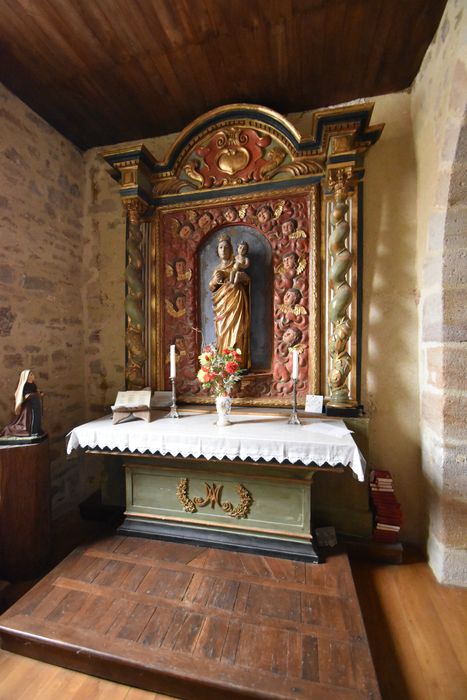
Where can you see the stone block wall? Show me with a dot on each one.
(103, 287)
(439, 117)
(41, 309)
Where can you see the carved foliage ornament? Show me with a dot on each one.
(212, 497)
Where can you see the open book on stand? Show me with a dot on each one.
(135, 404)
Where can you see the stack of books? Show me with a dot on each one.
(386, 509)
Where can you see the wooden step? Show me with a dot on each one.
(198, 623)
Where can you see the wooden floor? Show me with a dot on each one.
(417, 629)
(419, 651)
(191, 622)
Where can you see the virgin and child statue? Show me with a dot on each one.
(230, 287)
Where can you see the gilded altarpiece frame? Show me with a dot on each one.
(245, 170)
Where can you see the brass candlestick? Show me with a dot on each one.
(173, 406)
(294, 419)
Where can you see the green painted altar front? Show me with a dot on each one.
(252, 506)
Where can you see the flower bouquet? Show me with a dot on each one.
(220, 370)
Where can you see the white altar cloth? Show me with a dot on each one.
(249, 437)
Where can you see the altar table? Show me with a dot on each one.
(246, 486)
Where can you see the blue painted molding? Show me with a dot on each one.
(247, 190)
(359, 116)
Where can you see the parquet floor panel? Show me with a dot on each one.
(198, 623)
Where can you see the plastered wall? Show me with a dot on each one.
(390, 310)
(390, 306)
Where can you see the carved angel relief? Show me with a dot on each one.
(178, 270)
(291, 265)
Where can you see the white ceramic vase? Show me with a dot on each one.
(223, 407)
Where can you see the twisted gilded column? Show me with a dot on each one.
(341, 297)
(134, 300)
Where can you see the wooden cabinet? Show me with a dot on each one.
(24, 510)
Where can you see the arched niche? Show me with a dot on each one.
(260, 273)
(250, 160)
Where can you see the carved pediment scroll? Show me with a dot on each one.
(236, 155)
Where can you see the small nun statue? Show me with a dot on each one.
(28, 409)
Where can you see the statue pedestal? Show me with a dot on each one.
(24, 510)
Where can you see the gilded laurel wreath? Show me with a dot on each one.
(212, 497)
(243, 508)
(182, 495)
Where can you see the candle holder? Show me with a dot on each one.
(294, 419)
(173, 406)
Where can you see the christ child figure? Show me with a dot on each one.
(241, 262)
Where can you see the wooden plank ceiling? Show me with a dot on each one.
(106, 71)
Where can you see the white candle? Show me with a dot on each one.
(173, 370)
(294, 364)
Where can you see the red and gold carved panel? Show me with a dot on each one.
(287, 223)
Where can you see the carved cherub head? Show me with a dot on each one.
(205, 220)
(192, 216)
(179, 342)
(292, 336)
(290, 261)
(265, 214)
(180, 266)
(288, 227)
(186, 231)
(292, 296)
(230, 214)
(180, 302)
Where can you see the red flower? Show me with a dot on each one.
(226, 351)
(231, 367)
